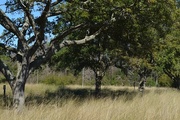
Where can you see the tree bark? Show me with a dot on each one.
(174, 78)
(98, 79)
(142, 84)
(7, 73)
(18, 95)
(19, 85)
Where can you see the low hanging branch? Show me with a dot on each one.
(7, 73)
(9, 25)
(82, 41)
(55, 47)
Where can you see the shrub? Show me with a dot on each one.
(2, 79)
(59, 80)
(165, 81)
(150, 82)
(111, 81)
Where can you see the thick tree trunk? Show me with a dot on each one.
(18, 94)
(98, 86)
(98, 79)
(19, 85)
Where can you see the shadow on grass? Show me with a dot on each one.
(63, 94)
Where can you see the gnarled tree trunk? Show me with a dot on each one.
(17, 83)
(18, 89)
(18, 94)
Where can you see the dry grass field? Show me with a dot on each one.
(44, 102)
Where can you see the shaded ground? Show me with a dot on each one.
(63, 94)
(80, 94)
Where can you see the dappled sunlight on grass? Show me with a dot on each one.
(78, 103)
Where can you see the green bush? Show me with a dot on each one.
(150, 82)
(59, 80)
(165, 81)
(110, 81)
(2, 79)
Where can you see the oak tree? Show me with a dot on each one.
(30, 37)
(136, 29)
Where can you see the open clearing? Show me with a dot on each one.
(47, 102)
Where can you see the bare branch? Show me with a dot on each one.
(66, 32)
(7, 73)
(54, 46)
(37, 62)
(46, 10)
(55, 3)
(30, 40)
(41, 21)
(28, 15)
(24, 6)
(81, 41)
(25, 25)
(11, 49)
(4, 34)
(55, 13)
(9, 25)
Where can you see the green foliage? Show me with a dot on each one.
(94, 55)
(2, 51)
(165, 81)
(113, 81)
(141, 26)
(150, 82)
(2, 79)
(167, 55)
(136, 28)
(11, 64)
(60, 80)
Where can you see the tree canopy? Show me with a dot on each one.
(35, 30)
(167, 55)
(132, 37)
(26, 36)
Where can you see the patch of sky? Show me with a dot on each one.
(36, 12)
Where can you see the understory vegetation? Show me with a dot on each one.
(75, 102)
(116, 78)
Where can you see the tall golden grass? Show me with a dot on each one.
(153, 104)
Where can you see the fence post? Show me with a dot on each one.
(4, 95)
(134, 84)
(83, 76)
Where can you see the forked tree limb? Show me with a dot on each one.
(7, 73)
